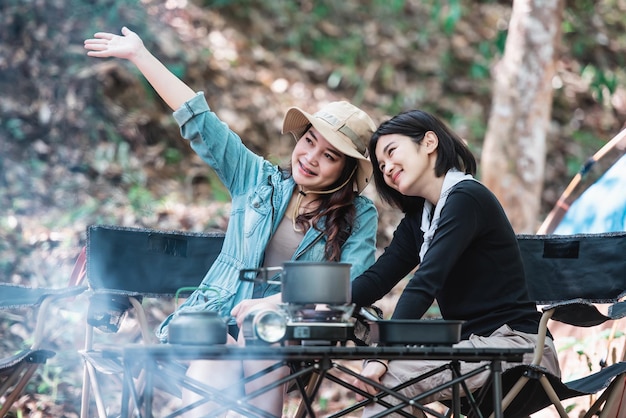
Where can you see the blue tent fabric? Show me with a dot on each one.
(601, 208)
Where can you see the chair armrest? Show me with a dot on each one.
(17, 296)
(577, 312)
(541, 337)
(617, 310)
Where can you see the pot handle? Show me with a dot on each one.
(261, 275)
(366, 312)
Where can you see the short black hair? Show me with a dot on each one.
(452, 152)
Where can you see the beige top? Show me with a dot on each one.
(283, 244)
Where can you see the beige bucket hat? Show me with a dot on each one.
(345, 126)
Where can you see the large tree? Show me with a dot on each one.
(513, 156)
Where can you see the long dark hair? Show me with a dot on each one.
(452, 152)
(337, 208)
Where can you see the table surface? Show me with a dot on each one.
(232, 352)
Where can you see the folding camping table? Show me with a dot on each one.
(156, 361)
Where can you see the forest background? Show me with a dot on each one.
(86, 141)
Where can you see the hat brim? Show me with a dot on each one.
(296, 121)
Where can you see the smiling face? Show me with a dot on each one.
(407, 166)
(316, 164)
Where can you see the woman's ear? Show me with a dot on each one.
(430, 141)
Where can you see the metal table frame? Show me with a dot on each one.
(155, 360)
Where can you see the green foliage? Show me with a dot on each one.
(476, 127)
(586, 347)
(332, 31)
(500, 41)
(172, 156)
(14, 127)
(480, 68)
(392, 7)
(141, 200)
(449, 13)
(323, 403)
(590, 143)
(602, 83)
(117, 160)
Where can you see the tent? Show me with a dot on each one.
(602, 207)
(595, 199)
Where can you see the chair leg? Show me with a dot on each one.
(30, 370)
(553, 396)
(512, 393)
(85, 395)
(140, 384)
(12, 378)
(545, 383)
(301, 411)
(96, 392)
(615, 396)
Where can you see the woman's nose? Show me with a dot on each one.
(388, 169)
(312, 157)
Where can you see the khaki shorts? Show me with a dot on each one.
(504, 337)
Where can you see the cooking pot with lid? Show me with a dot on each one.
(304, 282)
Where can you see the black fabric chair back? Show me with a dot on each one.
(581, 266)
(146, 261)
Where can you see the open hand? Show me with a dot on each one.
(106, 44)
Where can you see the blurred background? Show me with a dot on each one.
(86, 141)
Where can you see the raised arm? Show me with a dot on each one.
(130, 46)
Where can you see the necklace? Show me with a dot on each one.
(302, 194)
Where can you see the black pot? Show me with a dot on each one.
(304, 282)
(197, 328)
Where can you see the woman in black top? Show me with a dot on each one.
(457, 232)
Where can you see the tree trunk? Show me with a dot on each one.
(513, 156)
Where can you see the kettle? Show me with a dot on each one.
(197, 328)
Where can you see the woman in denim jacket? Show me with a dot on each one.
(311, 211)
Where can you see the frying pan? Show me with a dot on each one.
(413, 331)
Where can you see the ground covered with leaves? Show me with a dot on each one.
(85, 141)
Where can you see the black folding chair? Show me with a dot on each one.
(570, 275)
(124, 266)
(16, 370)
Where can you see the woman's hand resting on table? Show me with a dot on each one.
(373, 370)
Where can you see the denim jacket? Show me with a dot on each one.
(260, 194)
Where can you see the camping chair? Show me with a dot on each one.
(569, 274)
(124, 266)
(17, 370)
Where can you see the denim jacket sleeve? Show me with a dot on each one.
(218, 146)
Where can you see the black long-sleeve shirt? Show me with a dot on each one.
(473, 267)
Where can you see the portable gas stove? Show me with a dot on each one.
(334, 324)
(292, 322)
